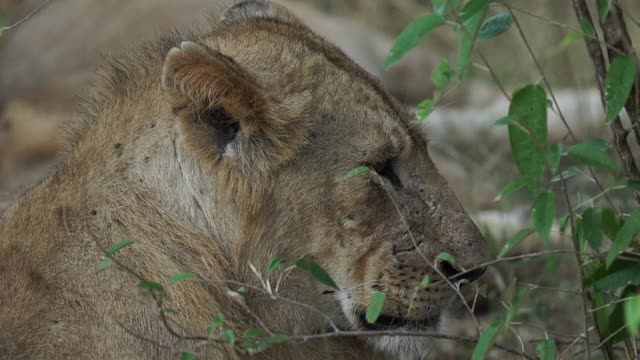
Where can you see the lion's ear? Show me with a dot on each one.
(223, 111)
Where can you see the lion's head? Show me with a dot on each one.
(281, 117)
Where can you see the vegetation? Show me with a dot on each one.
(599, 232)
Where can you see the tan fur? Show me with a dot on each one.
(214, 153)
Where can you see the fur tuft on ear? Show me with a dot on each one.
(240, 130)
(247, 9)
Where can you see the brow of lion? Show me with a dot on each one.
(455, 288)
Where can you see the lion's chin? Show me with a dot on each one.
(400, 344)
(410, 343)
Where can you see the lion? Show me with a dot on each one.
(217, 153)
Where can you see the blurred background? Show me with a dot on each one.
(47, 63)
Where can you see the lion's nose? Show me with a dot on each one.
(456, 275)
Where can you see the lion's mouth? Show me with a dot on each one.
(393, 323)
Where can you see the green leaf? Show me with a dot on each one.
(217, 323)
(105, 263)
(118, 246)
(275, 339)
(592, 227)
(603, 10)
(188, 356)
(253, 346)
(590, 155)
(355, 172)
(469, 33)
(375, 307)
(610, 224)
(620, 79)
(602, 314)
(544, 211)
(486, 341)
(546, 349)
(150, 285)
(510, 291)
(566, 174)
(601, 144)
(511, 187)
(587, 28)
(554, 156)
(1, 30)
(170, 310)
(632, 314)
(617, 319)
(229, 337)
(563, 222)
(571, 38)
(505, 120)
(411, 36)
(254, 333)
(515, 305)
(443, 7)
(444, 256)
(618, 275)
(316, 271)
(274, 264)
(515, 240)
(473, 8)
(425, 281)
(219, 320)
(495, 25)
(579, 238)
(442, 74)
(625, 236)
(181, 277)
(425, 109)
(529, 104)
(633, 184)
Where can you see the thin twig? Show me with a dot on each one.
(562, 25)
(31, 14)
(576, 245)
(621, 300)
(536, 286)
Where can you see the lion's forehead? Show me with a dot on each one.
(292, 58)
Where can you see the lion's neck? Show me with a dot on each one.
(150, 160)
(182, 187)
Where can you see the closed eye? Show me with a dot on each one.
(385, 170)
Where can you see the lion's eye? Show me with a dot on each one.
(385, 169)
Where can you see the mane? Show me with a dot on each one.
(119, 77)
